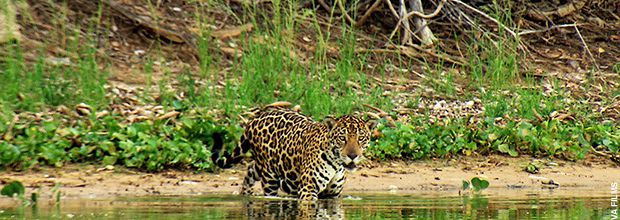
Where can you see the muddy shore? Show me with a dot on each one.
(506, 176)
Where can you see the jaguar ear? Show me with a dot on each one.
(371, 124)
(330, 122)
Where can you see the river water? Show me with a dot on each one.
(356, 206)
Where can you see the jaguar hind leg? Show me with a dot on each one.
(250, 179)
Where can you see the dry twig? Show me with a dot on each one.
(546, 29)
(427, 16)
(587, 48)
(379, 111)
(344, 11)
(487, 17)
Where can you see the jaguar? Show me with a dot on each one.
(293, 153)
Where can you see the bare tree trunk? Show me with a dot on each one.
(426, 35)
(406, 28)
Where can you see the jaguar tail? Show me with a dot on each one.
(224, 159)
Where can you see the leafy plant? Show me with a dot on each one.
(13, 189)
(475, 184)
(17, 189)
(532, 168)
(420, 139)
(150, 145)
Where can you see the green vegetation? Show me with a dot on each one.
(519, 115)
(12, 189)
(267, 74)
(16, 189)
(532, 168)
(475, 184)
(150, 145)
(31, 85)
(551, 137)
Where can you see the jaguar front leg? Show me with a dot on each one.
(334, 187)
(311, 185)
(309, 190)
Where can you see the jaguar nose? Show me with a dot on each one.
(352, 156)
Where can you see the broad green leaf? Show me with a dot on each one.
(513, 153)
(479, 184)
(483, 184)
(109, 160)
(503, 148)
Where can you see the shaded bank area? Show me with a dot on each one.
(444, 176)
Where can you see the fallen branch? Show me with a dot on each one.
(368, 12)
(407, 51)
(612, 157)
(391, 7)
(538, 116)
(381, 114)
(325, 6)
(451, 59)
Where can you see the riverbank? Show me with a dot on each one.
(444, 176)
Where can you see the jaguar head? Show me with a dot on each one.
(349, 136)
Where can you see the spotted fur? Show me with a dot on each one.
(295, 154)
